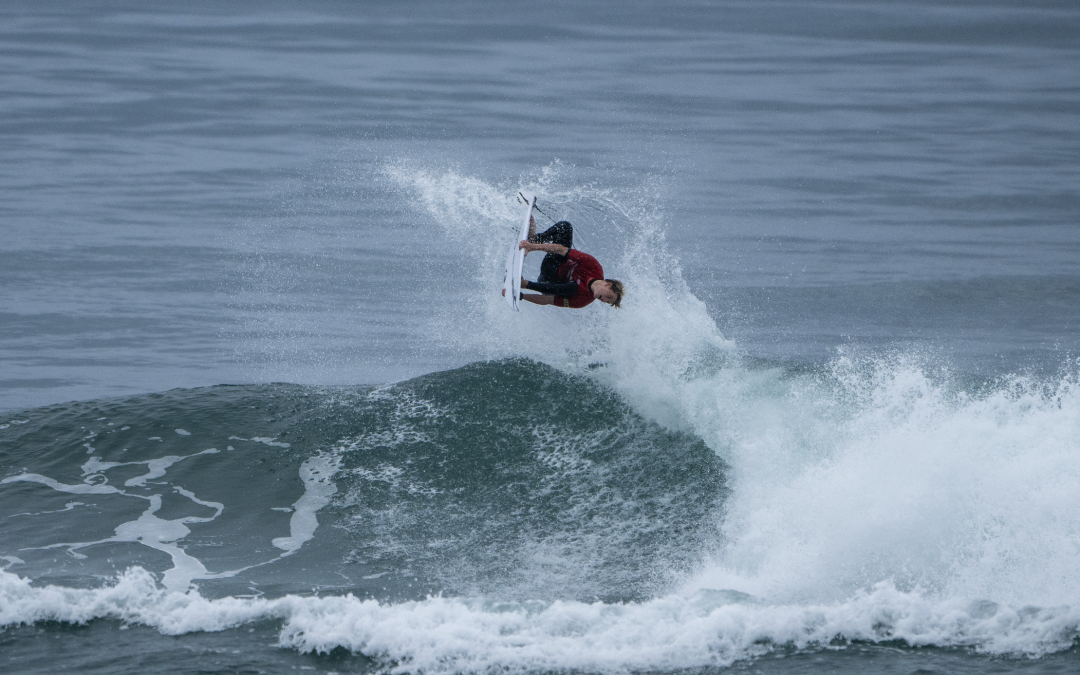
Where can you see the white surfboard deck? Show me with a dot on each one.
(515, 259)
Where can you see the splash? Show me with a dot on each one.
(662, 330)
(876, 472)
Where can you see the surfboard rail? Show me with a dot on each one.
(515, 258)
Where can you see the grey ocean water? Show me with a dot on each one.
(189, 196)
(196, 194)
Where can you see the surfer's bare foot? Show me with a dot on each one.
(532, 229)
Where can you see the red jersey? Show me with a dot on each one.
(581, 268)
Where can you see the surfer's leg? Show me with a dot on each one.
(561, 233)
(549, 268)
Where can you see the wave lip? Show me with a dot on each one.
(442, 635)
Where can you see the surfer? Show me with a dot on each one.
(568, 277)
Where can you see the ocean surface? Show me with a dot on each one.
(262, 409)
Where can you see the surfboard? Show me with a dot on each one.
(515, 258)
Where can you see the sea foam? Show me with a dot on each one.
(438, 634)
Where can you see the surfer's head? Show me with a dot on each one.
(607, 290)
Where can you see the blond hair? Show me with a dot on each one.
(617, 289)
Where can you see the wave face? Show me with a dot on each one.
(511, 515)
(506, 480)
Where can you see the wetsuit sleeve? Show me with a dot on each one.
(548, 288)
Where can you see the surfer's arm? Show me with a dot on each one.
(557, 249)
(539, 299)
(549, 288)
(535, 299)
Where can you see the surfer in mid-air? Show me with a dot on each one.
(568, 277)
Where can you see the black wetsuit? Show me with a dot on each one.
(561, 233)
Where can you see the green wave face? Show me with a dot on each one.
(506, 479)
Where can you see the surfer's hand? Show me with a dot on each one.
(504, 292)
(527, 245)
